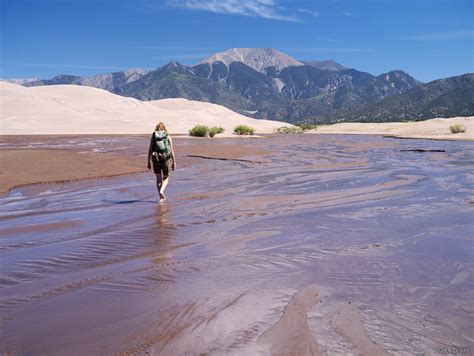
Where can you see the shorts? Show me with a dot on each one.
(161, 166)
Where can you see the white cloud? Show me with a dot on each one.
(441, 36)
(259, 8)
(309, 12)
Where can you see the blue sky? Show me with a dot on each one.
(429, 39)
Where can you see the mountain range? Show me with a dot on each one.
(110, 81)
(448, 97)
(268, 84)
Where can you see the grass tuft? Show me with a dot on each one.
(244, 130)
(215, 130)
(307, 127)
(204, 131)
(288, 130)
(457, 129)
(199, 131)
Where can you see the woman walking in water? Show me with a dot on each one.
(161, 153)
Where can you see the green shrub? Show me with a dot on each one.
(288, 130)
(244, 130)
(215, 130)
(199, 131)
(457, 128)
(307, 127)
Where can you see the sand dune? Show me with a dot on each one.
(71, 109)
(431, 129)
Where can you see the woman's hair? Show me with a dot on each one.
(161, 126)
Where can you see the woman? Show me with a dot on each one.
(161, 153)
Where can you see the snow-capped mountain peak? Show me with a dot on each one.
(258, 58)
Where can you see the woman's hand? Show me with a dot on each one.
(149, 165)
(173, 166)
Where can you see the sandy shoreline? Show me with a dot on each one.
(26, 165)
(434, 129)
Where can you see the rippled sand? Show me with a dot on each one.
(306, 245)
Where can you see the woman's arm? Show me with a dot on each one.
(150, 151)
(172, 153)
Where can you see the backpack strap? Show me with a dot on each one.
(155, 135)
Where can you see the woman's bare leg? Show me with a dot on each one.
(159, 183)
(164, 184)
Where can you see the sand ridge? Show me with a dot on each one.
(436, 129)
(73, 109)
(291, 334)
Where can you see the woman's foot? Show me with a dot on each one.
(162, 197)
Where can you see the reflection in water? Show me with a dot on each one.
(163, 230)
(163, 216)
(359, 247)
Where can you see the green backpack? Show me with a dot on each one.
(161, 143)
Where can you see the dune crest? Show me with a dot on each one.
(72, 109)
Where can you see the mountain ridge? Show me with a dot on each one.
(108, 81)
(264, 83)
(292, 94)
(326, 65)
(257, 58)
(446, 97)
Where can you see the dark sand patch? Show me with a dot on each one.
(22, 167)
(61, 159)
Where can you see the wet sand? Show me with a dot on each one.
(23, 167)
(52, 158)
(302, 244)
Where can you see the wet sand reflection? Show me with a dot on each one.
(330, 245)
